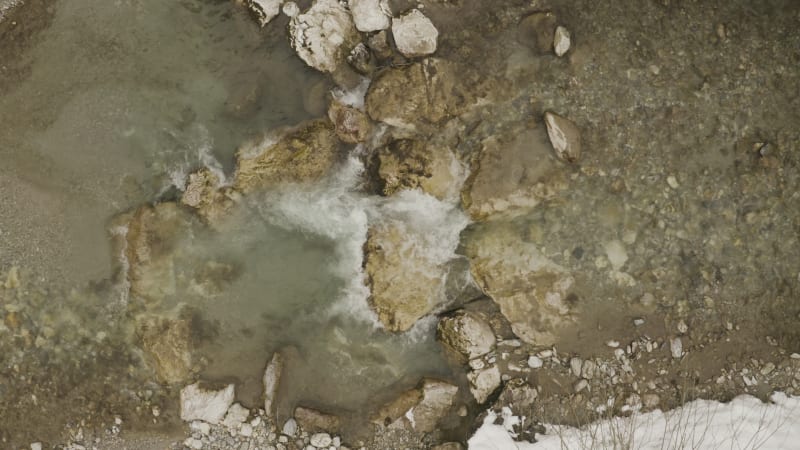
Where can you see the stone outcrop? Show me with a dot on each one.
(323, 35)
(404, 286)
(414, 34)
(417, 96)
(411, 164)
(513, 173)
(467, 333)
(419, 409)
(303, 154)
(531, 290)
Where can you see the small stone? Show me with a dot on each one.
(272, 376)
(235, 416)
(580, 385)
(561, 41)
(638, 322)
(795, 356)
(673, 182)
(612, 343)
(289, 428)
(647, 299)
(767, 369)
(682, 327)
(36, 446)
(414, 34)
(321, 440)
(576, 364)
(534, 362)
(290, 9)
(564, 136)
(589, 367)
(676, 347)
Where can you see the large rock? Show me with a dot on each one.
(483, 382)
(518, 395)
(150, 238)
(303, 154)
(513, 173)
(370, 15)
(564, 136)
(404, 285)
(312, 421)
(207, 405)
(411, 164)
(167, 343)
(530, 289)
(272, 378)
(466, 333)
(211, 201)
(414, 34)
(352, 125)
(323, 35)
(418, 95)
(419, 409)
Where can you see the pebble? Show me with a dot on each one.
(290, 427)
(589, 367)
(682, 327)
(613, 344)
(580, 385)
(534, 362)
(638, 322)
(673, 182)
(576, 364)
(561, 41)
(321, 440)
(795, 356)
(36, 446)
(246, 430)
(676, 347)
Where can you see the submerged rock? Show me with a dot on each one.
(206, 405)
(564, 136)
(417, 96)
(414, 34)
(404, 286)
(168, 345)
(530, 289)
(323, 35)
(419, 409)
(512, 174)
(304, 154)
(466, 333)
(212, 201)
(411, 164)
(311, 420)
(370, 15)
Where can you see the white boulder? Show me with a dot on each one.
(322, 36)
(265, 10)
(414, 34)
(206, 405)
(370, 15)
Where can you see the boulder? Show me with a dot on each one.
(530, 289)
(467, 333)
(265, 10)
(323, 35)
(167, 343)
(414, 34)
(305, 153)
(412, 164)
(272, 378)
(211, 201)
(416, 96)
(404, 285)
(512, 174)
(352, 125)
(207, 405)
(419, 409)
(564, 136)
(483, 382)
(312, 421)
(370, 15)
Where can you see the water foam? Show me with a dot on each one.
(335, 210)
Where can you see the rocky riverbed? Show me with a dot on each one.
(566, 210)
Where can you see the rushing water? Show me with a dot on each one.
(122, 100)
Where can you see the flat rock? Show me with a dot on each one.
(370, 15)
(467, 333)
(302, 154)
(414, 34)
(323, 35)
(412, 164)
(417, 96)
(564, 136)
(530, 289)
(512, 174)
(203, 404)
(312, 421)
